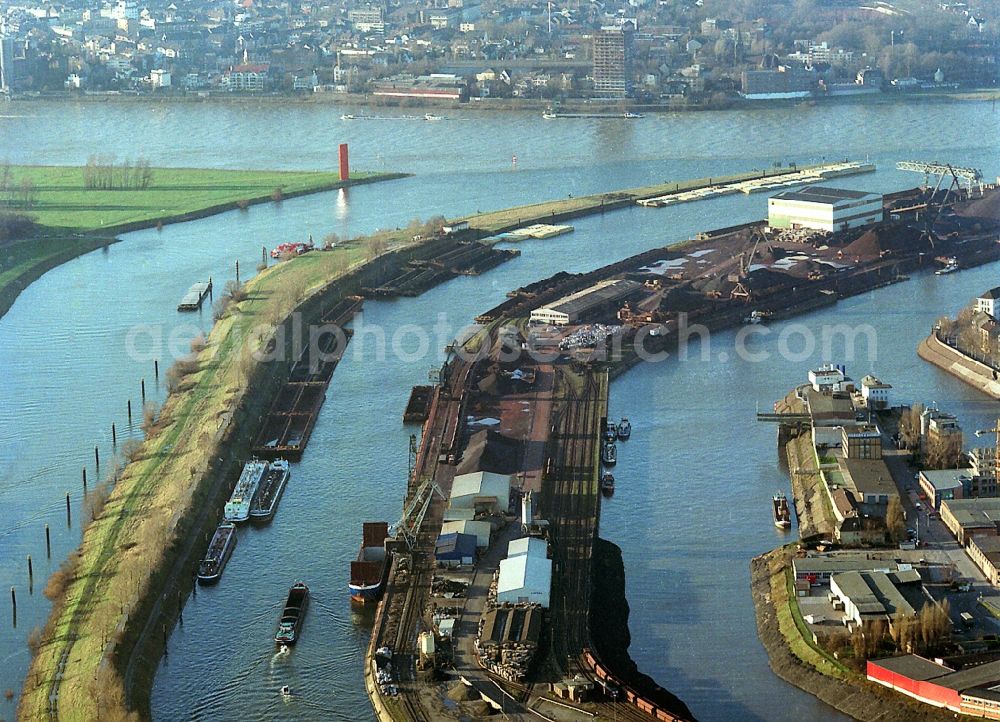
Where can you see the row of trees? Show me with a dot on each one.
(927, 631)
(103, 173)
(16, 192)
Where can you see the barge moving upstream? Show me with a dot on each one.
(290, 624)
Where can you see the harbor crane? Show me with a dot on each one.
(742, 289)
(972, 176)
(409, 524)
(996, 449)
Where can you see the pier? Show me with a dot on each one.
(195, 296)
(760, 185)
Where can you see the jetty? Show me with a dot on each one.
(195, 296)
(760, 185)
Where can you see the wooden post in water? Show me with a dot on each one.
(237, 272)
(156, 369)
(263, 256)
(130, 411)
(48, 543)
(69, 518)
(85, 477)
(142, 388)
(114, 435)
(13, 603)
(97, 459)
(31, 572)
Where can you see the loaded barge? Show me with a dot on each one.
(195, 296)
(219, 551)
(272, 486)
(292, 416)
(290, 623)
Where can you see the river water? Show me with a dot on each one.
(692, 505)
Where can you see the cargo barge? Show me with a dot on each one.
(272, 486)
(371, 569)
(418, 408)
(291, 418)
(293, 614)
(238, 507)
(782, 514)
(219, 551)
(195, 296)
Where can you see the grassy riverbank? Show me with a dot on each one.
(133, 544)
(72, 220)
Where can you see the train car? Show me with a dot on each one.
(666, 716)
(645, 705)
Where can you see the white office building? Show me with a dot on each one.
(824, 209)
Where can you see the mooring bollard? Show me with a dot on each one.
(48, 543)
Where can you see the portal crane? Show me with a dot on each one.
(409, 524)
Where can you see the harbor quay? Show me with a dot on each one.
(447, 634)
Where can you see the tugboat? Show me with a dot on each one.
(271, 488)
(293, 614)
(371, 569)
(608, 483)
(624, 429)
(609, 454)
(219, 550)
(238, 506)
(950, 267)
(610, 432)
(782, 515)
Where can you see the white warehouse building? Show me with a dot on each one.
(823, 208)
(526, 574)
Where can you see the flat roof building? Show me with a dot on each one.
(945, 484)
(569, 309)
(971, 691)
(966, 517)
(525, 579)
(479, 529)
(481, 491)
(871, 595)
(613, 51)
(824, 209)
(818, 569)
(985, 552)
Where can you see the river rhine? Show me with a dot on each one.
(694, 481)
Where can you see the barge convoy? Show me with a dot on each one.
(219, 551)
(371, 569)
(290, 623)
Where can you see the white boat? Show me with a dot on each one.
(549, 115)
(347, 116)
(238, 506)
(950, 268)
(431, 116)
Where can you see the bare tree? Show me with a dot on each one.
(894, 520)
(909, 426)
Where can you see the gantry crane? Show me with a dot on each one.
(742, 288)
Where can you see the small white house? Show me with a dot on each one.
(827, 378)
(875, 392)
(987, 303)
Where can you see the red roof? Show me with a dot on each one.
(250, 68)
